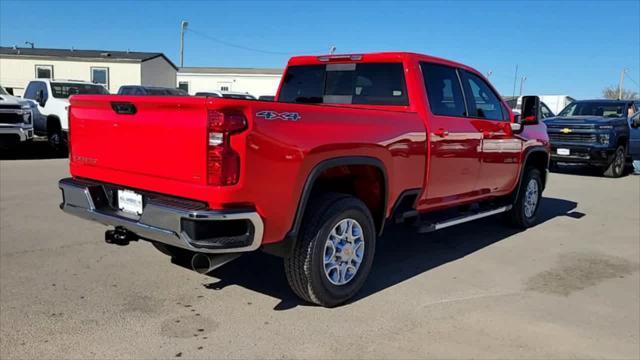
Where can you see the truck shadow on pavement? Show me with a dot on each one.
(401, 255)
(36, 150)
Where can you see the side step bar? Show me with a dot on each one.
(429, 227)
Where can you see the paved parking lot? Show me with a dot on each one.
(568, 288)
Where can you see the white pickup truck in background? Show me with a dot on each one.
(52, 99)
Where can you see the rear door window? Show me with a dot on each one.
(443, 90)
(367, 83)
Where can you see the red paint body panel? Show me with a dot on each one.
(162, 148)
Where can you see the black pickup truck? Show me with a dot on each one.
(593, 132)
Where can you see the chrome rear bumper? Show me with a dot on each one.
(163, 221)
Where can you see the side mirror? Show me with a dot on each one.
(530, 114)
(40, 97)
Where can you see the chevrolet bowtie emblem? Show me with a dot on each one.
(565, 130)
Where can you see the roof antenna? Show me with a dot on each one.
(332, 49)
(30, 44)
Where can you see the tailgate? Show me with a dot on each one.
(164, 137)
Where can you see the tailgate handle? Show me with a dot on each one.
(124, 108)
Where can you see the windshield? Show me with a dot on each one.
(3, 91)
(64, 90)
(594, 108)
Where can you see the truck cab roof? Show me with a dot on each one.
(372, 57)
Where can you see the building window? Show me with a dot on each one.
(184, 85)
(100, 75)
(224, 88)
(44, 71)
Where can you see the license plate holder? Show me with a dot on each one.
(564, 152)
(130, 202)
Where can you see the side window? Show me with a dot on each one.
(545, 111)
(34, 89)
(443, 90)
(482, 101)
(30, 92)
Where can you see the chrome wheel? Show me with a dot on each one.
(343, 252)
(531, 198)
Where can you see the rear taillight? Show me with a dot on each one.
(223, 163)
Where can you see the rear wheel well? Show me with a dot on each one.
(362, 177)
(365, 182)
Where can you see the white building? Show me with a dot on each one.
(110, 68)
(257, 82)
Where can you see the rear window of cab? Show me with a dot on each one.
(350, 83)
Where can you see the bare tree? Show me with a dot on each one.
(612, 92)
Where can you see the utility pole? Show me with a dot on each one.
(522, 80)
(621, 83)
(515, 80)
(183, 28)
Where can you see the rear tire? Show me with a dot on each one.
(334, 251)
(524, 212)
(616, 168)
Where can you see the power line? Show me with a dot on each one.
(242, 47)
(630, 78)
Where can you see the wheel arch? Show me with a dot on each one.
(538, 157)
(53, 123)
(311, 184)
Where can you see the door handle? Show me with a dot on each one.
(441, 132)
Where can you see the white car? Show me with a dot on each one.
(16, 119)
(52, 99)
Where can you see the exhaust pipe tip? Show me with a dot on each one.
(201, 263)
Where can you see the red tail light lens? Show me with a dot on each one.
(223, 163)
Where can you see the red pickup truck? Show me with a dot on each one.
(351, 142)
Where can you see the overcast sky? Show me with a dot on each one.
(572, 47)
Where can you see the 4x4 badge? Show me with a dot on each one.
(274, 115)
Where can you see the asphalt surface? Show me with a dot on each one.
(567, 288)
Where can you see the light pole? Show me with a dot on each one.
(621, 82)
(30, 44)
(522, 80)
(183, 28)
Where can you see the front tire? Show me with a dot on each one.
(58, 141)
(616, 168)
(524, 212)
(334, 251)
